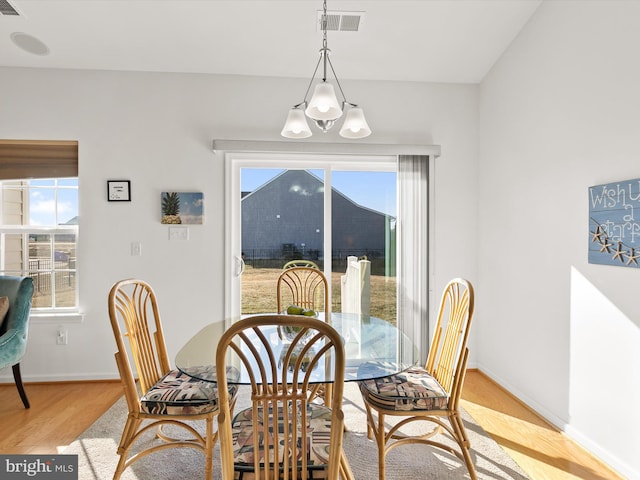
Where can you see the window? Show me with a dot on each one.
(38, 220)
(38, 238)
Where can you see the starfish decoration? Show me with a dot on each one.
(633, 257)
(620, 253)
(605, 245)
(597, 235)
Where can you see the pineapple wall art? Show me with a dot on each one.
(180, 208)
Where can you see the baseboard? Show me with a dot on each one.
(575, 435)
(604, 456)
(31, 379)
(527, 402)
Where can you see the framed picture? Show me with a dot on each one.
(119, 190)
(182, 208)
(614, 225)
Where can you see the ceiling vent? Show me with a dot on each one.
(341, 21)
(7, 9)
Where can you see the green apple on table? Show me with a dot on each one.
(297, 310)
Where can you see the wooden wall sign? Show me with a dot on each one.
(614, 223)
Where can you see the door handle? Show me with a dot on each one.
(239, 266)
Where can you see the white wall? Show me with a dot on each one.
(559, 113)
(156, 130)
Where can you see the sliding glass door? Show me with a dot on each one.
(337, 212)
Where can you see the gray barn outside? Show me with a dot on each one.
(283, 220)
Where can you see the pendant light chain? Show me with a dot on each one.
(325, 49)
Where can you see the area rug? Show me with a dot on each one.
(97, 457)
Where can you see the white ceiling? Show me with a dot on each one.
(421, 40)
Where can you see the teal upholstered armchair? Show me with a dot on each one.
(15, 326)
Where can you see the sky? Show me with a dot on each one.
(42, 201)
(375, 190)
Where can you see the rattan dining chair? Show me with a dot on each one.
(305, 287)
(428, 394)
(166, 397)
(300, 263)
(282, 434)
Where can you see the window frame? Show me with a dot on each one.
(234, 162)
(61, 313)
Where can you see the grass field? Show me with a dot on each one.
(259, 293)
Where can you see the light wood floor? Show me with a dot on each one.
(61, 411)
(538, 447)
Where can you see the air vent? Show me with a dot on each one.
(341, 21)
(7, 9)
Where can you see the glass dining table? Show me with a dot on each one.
(374, 348)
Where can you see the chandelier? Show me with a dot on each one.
(324, 109)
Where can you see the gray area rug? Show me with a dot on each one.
(97, 457)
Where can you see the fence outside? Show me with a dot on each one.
(276, 258)
(41, 270)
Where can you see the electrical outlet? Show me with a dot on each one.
(62, 336)
(178, 233)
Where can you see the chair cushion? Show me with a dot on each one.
(4, 308)
(179, 394)
(319, 432)
(413, 389)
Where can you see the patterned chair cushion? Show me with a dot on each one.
(413, 389)
(319, 432)
(179, 394)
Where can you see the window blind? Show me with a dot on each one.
(413, 238)
(38, 159)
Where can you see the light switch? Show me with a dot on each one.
(178, 233)
(136, 248)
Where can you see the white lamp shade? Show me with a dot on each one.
(296, 125)
(355, 125)
(324, 104)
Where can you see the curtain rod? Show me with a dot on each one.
(329, 148)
